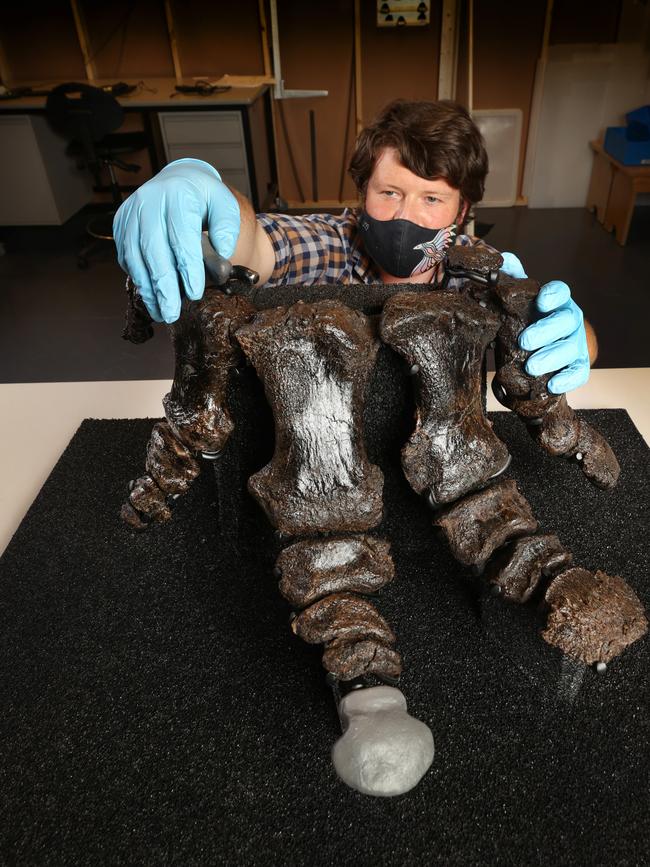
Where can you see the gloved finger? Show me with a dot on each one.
(125, 228)
(555, 326)
(184, 226)
(224, 220)
(553, 357)
(118, 230)
(160, 262)
(151, 304)
(552, 295)
(571, 377)
(512, 266)
(135, 267)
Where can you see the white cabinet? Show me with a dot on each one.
(39, 184)
(214, 136)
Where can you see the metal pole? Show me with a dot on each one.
(314, 166)
(278, 90)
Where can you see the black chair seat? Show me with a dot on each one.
(111, 145)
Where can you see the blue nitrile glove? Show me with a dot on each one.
(157, 233)
(559, 338)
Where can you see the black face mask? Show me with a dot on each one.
(403, 248)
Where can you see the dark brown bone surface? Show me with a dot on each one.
(518, 568)
(593, 617)
(138, 327)
(314, 568)
(171, 469)
(347, 660)
(342, 616)
(197, 416)
(479, 523)
(453, 449)
(146, 503)
(205, 352)
(551, 419)
(169, 463)
(357, 639)
(314, 361)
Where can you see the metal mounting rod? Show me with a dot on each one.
(279, 91)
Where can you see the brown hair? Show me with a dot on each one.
(433, 140)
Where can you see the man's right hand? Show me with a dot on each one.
(157, 233)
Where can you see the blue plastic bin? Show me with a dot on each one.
(641, 115)
(630, 153)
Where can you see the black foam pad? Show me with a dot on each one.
(157, 709)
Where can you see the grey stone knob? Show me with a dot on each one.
(383, 750)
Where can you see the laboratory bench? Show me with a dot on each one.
(231, 130)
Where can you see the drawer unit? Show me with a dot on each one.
(190, 127)
(221, 156)
(216, 137)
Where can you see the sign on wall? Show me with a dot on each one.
(403, 13)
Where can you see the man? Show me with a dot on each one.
(418, 168)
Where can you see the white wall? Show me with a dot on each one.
(586, 89)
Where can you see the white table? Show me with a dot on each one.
(39, 419)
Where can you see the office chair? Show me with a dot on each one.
(87, 117)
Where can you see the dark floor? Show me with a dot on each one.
(58, 323)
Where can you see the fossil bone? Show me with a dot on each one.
(517, 569)
(146, 503)
(592, 617)
(314, 568)
(361, 657)
(479, 523)
(453, 449)
(342, 616)
(551, 420)
(171, 469)
(205, 353)
(314, 361)
(197, 417)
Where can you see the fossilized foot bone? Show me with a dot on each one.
(517, 569)
(171, 469)
(443, 335)
(314, 361)
(314, 568)
(383, 750)
(592, 617)
(205, 353)
(197, 415)
(550, 419)
(138, 327)
(479, 523)
(322, 576)
(358, 641)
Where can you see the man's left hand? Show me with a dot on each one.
(557, 341)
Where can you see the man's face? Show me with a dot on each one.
(396, 193)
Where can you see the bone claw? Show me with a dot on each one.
(383, 751)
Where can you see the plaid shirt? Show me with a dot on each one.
(322, 248)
